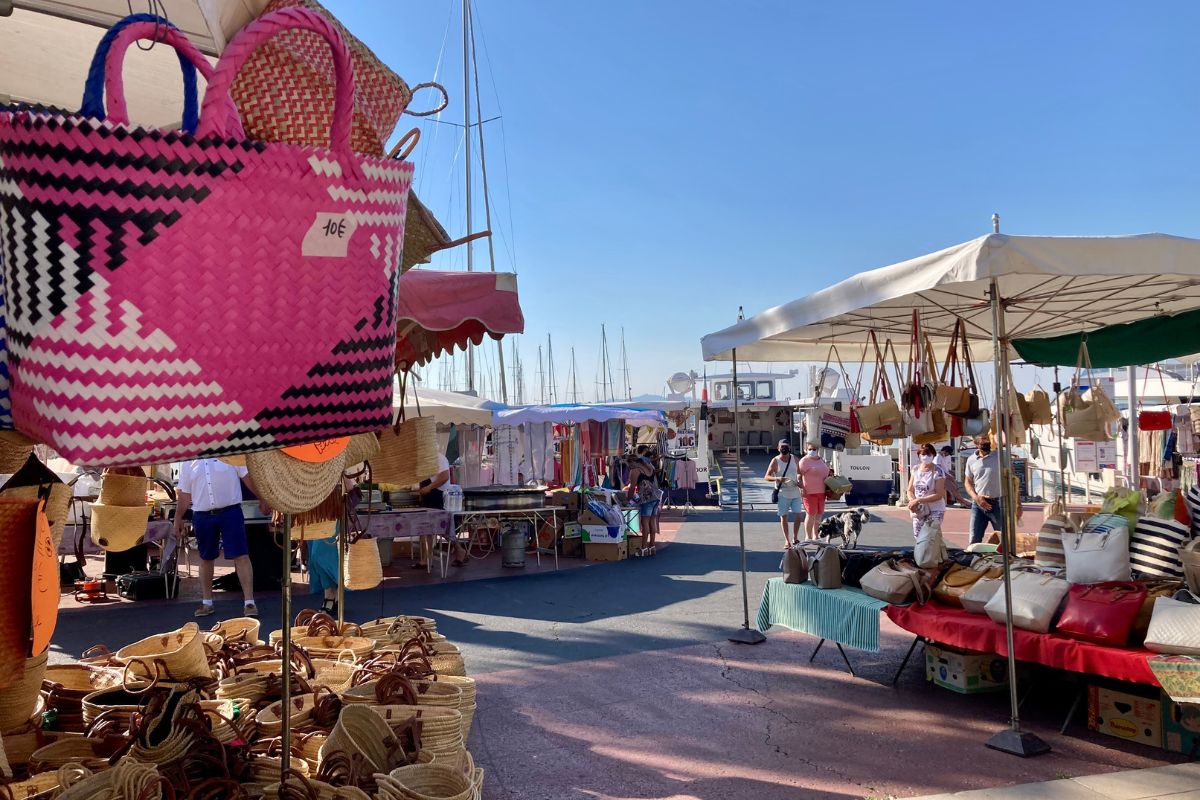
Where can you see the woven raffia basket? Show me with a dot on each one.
(407, 453)
(239, 629)
(332, 647)
(116, 529)
(270, 719)
(360, 730)
(18, 701)
(123, 490)
(181, 653)
(429, 693)
(121, 702)
(35, 787)
(362, 447)
(292, 486)
(426, 782)
(441, 728)
(347, 629)
(364, 570)
(91, 753)
(15, 450)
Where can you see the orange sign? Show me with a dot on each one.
(318, 452)
(45, 585)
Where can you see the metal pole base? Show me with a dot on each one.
(747, 636)
(1025, 745)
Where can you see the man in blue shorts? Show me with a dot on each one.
(213, 490)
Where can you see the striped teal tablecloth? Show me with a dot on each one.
(845, 615)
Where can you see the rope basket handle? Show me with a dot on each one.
(404, 147)
(440, 107)
(214, 123)
(94, 87)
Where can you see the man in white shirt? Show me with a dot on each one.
(213, 490)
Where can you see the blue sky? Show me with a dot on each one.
(668, 161)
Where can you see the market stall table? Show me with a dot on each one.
(411, 523)
(464, 520)
(845, 616)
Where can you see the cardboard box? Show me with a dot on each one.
(1181, 728)
(634, 542)
(1134, 718)
(568, 500)
(572, 547)
(602, 534)
(599, 551)
(586, 517)
(963, 671)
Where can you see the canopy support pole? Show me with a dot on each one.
(1012, 740)
(1062, 444)
(285, 757)
(1131, 438)
(746, 634)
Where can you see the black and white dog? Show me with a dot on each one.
(845, 526)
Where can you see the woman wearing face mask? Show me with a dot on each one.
(927, 488)
(783, 472)
(813, 472)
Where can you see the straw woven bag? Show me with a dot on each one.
(18, 700)
(175, 656)
(364, 570)
(334, 646)
(361, 730)
(421, 781)
(34, 480)
(292, 486)
(123, 490)
(362, 447)
(35, 787)
(313, 530)
(118, 528)
(91, 753)
(239, 629)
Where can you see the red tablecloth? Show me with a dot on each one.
(967, 631)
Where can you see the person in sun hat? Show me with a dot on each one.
(212, 489)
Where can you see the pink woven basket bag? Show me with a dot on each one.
(175, 296)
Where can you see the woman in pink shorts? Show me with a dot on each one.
(813, 472)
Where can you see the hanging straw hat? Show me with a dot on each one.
(290, 485)
(34, 480)
(118, 528)
(362, 447)
(15, 449)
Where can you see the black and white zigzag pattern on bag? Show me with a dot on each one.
(1192, 498)
(1154, 547)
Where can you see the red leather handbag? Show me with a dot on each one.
(1154, 421)
(1102, 613)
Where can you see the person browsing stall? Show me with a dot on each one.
(813, 472)
(927, 488)
(784, 471)
(212, 489)
(985, 486)
(432, 496)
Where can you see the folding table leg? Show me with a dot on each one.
(814, 654)
(1079, 695)
(846, 658)
(907, 656)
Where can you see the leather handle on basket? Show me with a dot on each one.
(404, 147)
(213, 123)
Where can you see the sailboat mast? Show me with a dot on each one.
(606, 377)
(550, 369)
(466, 26)
(628, 393)
(574, 380)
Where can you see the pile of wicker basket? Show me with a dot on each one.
(380, 710)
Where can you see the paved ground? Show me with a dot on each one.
(616, 681)
(1176, 782)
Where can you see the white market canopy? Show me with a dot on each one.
(569, 414)
(1049, 286)
(449, 408)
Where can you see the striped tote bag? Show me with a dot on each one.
(1192, 498)
(1154, 548)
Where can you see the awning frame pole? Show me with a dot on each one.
(746, 634)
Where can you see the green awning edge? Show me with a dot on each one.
(1126, 345)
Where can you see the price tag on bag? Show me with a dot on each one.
(329, 235)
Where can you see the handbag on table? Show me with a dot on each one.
(108, 351)
(930, 550)
(1049, 551)
(795, 566)
(1174, 628)
(959, 579)
(1102, 613)
(825, 567)
(979, 594)
(896, 582)
(1141, 623)
(1154, 548)
(1097, 557)
(1036, 598)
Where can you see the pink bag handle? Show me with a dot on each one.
(114, 83)
(214, 123)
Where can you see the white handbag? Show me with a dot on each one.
(975, 598)
(1097, 557)
(1174, 628)
(930, 550)
(1036, 598)
(978, 426)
